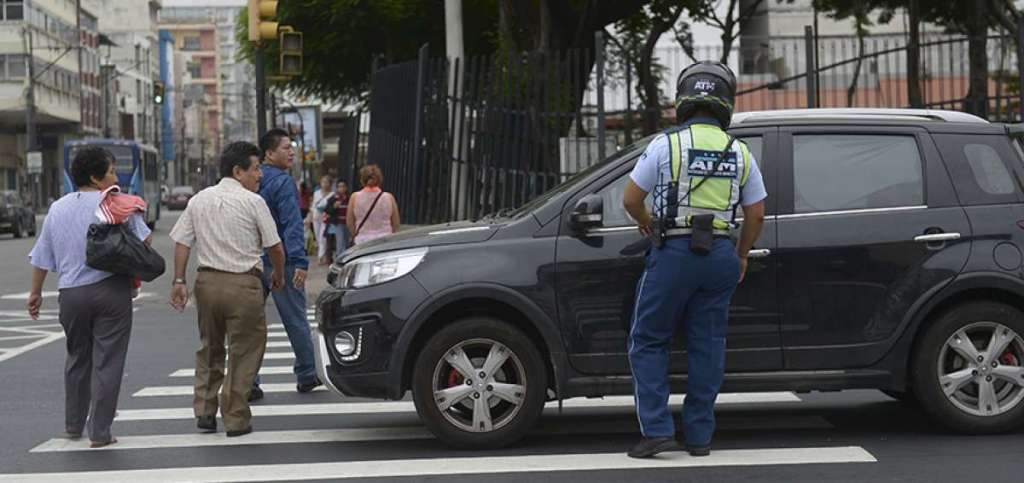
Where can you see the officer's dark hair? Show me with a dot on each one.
(271, 139)
(90, 162)
(238, 153)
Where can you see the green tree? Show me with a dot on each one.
(343, 37)
(639, 35)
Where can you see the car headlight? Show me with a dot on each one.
(379, 268)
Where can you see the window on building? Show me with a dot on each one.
(834, 172)
(195, 69)
(12, 9)
(15, 66)
(191, 42)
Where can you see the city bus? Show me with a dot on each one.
(137, 167)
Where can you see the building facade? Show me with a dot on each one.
(237, 85)
(129, 67)
(39, 65)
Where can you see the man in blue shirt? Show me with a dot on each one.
(278, 188)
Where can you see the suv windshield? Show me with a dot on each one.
(574, 179)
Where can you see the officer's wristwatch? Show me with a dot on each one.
(179, 281)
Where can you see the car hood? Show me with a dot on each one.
(426, 236)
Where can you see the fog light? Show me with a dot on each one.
(345, 343)
(349, 345)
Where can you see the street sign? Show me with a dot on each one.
(35, 162)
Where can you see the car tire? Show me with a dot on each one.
(942, 348)
(523, 377)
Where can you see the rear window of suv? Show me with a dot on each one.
(841, 172)
(980, 167)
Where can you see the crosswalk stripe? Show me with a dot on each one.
(276, 334)
(464, 466)
(352, 435)
(278, 343)
(408, 407)
(271, 356)
(264, 371)
(281, 327)
(188, 390)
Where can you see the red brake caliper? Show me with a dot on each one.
(454, 378)
(1008, 359)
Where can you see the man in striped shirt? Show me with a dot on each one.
(229, 226)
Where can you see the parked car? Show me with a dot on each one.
(891, 258)
(178, 197)
(15, 216)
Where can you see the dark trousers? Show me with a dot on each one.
(677, 288)
(97, 321)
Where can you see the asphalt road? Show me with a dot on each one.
(848, 436)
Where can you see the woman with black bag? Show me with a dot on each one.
(95, 306)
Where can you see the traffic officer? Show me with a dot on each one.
(698, 175)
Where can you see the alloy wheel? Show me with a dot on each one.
(981, 369)
(479, 385)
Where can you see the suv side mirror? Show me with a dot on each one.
(589, 212)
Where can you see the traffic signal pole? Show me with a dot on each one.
(261, 93)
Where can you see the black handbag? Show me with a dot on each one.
(116, 249)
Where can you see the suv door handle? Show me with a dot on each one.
(761, 253)
(937, 237)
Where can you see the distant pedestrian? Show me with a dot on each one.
(95, 307)
(372, 212)
(278, 189)
(321, 194)
(335, 211)
(305, 199)
(228, 225)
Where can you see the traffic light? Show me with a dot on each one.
(261, 23)
(291, 53)
(158, 92)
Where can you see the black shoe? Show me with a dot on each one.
(695, 450)
(208, 424)
(256, 394)
(648, 447)
(240, 432)
(309, 386)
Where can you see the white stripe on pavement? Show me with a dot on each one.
(278, 343)
(264, 371)
(408, 407)
(551, 427)
(188, 390)
(270, 356)
(12, 353)
(463, 466)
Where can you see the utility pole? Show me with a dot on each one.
(30, 113)
(455, 50)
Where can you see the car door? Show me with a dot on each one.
(867, 224)
(597, 272)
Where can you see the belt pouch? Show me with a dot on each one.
(703, 234)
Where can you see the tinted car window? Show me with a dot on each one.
(980, 167)
(834, 172)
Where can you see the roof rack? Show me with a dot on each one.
(856, 113)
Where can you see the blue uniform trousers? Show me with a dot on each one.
(680, 288)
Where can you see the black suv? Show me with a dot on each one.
(15, 217)
(891, 258)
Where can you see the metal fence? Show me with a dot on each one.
(458, 139)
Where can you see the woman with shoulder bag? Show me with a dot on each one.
(95, 307)
(372, 212)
